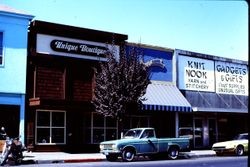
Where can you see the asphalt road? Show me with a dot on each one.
(225, 161)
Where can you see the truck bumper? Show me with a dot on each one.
(109, 152)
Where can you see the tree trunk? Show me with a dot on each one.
(120, 128)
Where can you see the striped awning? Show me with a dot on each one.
(214, 102)
(165, 96)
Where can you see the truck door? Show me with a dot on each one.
(149, 143)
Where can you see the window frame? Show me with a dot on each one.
(51, 127)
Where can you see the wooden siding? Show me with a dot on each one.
(80, 79)
(50, 82)
(82, 90)
(73, 83)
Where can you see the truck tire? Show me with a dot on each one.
(128, 154)
(173, 153)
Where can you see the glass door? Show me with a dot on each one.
(212, 131)
(198, 132)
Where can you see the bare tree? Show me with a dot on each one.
(120, 82)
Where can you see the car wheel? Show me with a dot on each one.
(128, 155)
(239, 150)
(111, 157)
(173, 153)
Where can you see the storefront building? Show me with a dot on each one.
(217, 89)
(163, 100)
(13, 60)
(62, 62)
(200, 96)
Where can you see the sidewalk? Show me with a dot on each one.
(62, 157)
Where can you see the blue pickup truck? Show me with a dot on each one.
(143, 142)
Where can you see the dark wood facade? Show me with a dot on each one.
(62, 84)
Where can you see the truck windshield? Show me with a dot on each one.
(132, 134)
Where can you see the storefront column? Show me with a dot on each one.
(176, 124)
(22, 117)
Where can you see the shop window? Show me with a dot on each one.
(135, 121)
(1, 48)
(106, 128)
(103, 128)
(50, 127)
(186, 127)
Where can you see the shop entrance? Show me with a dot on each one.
(212, 126)
(10, 119)
(201, 130)
(198, 132)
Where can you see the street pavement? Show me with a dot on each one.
(63, 157)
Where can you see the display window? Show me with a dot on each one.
(103, 128)
(50, 127)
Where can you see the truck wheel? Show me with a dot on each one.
(239, 151)
(173, 153)
(128, 155)
(111, 157)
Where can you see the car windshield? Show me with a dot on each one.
(241, 136)
(132, 134)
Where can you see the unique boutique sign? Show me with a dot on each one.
(77, 48)
(231, 78)
(61, 46)
(195, 74)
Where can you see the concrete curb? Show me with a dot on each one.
(66, 159)
(193, 155)
(83, 160)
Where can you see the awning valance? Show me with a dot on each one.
(165, 96)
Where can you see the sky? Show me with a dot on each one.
(213, 27)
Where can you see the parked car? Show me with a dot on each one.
(143, 141)
(238, 146)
